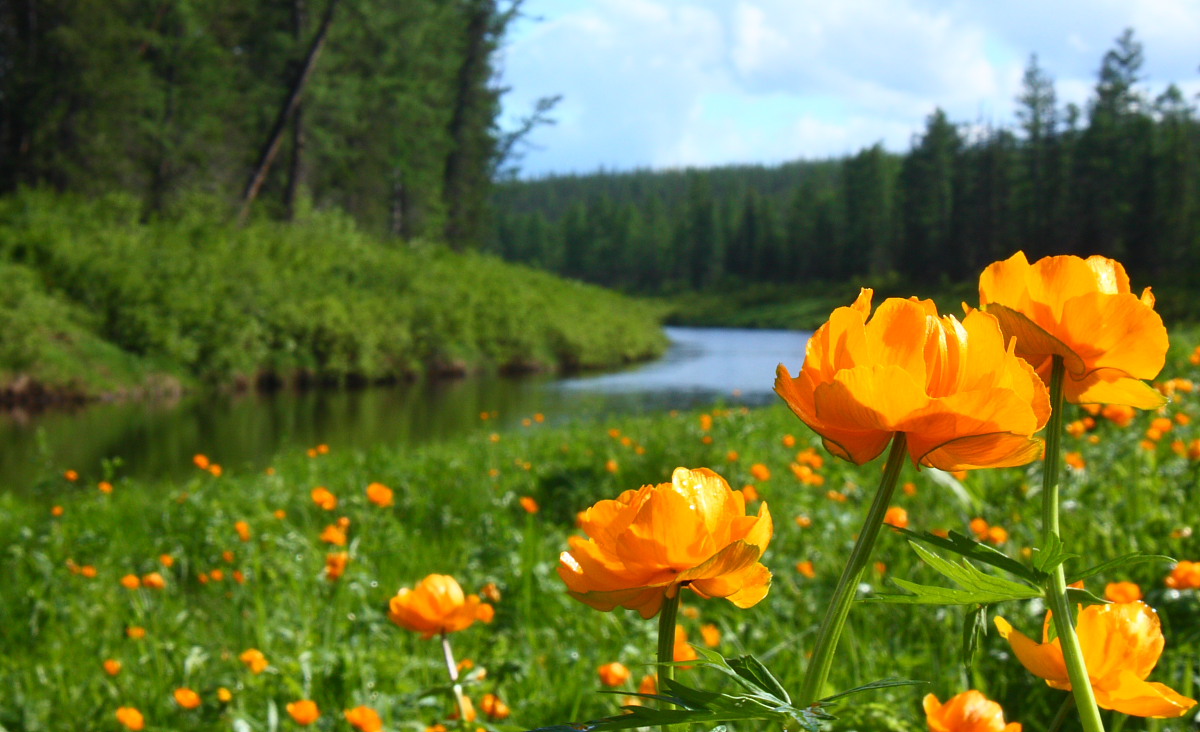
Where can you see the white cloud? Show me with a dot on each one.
(704, 82)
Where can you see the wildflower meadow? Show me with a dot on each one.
(983, 523)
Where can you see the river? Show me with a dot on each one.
(243, 431)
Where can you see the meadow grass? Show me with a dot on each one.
(457, 511)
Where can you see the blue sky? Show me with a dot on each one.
(675, 83)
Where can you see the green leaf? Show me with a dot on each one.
(977, 588)
(1135, 558)
(974, 631)
(881, 684)
(952, 484)
(982, 553)
(1048, 558)
(1077, 596)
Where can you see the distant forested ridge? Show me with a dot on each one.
(1120, 177)
(383, 108)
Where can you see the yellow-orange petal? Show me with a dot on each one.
(1143, 699)
(1044, 660)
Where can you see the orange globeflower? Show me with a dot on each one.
(962, 399)
(529, 504)
(365, 719)
(131, 582)
(333, 535)
(112, 666)
(437, 605)
(381, 496)
(255, 659)
(1185, 576)
(969, 711)
(1121, 645)
(243, 530)
(131, 718)
(495, 708)
(648, 543)
(760, 472)
(613, 674)
(1122, 592)
(153, 581)
(305, 711)
(201, 461)
(324, 498)
(335, 565)
(187, 698)
(896, 516)
(1082, 310)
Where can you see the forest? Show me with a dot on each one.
(1119, 177)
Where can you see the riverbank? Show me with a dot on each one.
(98, 303)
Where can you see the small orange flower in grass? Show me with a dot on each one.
(1122, 592)
(896, 516)
(1075, 460)
(324, 498)
(243, 530)
(364, 719)
(1121, 645)
(135, 632)
(613, 674)
(71, 475)
(304, 712)
(806, 568)
(57, 511)
(187, 698)
(131, 718)
(611, 466)
(224, 695)
(254, 659)
(215, 470)
(969, 711)
(493, 707)
(112, 666)
(335, 565)
(380, 495)
(962, 399)
(711, 634)
(154, 581)
(490, 592)
(201, 461)
(760, 472)
(437, 605)
(683, 649)
(1185, 576)
(1119, 414)
(648, 543)
(750, 493)
(529, 504)
(104, 486)
(1082, 310)
(131, 582)
(333, 535)
(166, 560)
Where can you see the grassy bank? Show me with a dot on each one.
(457, 510)
(101, 302)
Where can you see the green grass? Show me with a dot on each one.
(100, 300)
(457, 511)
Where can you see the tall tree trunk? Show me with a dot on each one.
(472, 79)
(297, 172)
(290, 105)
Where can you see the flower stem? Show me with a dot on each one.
(666, 641)
(843, 596)
(452, 667)
(1081, 687)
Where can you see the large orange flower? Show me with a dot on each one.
(962, 399)
(437, 605)
(691, 532)
(1082, 310)
(1121, 644)
(969, 711)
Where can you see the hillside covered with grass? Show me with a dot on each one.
(97, 301)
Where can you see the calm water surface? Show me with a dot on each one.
(152, 440)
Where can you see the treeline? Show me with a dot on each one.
(383, 108)
(1120, 177)
(96, 301)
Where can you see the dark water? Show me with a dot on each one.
(244, 431)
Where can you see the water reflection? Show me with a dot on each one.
(243, 432)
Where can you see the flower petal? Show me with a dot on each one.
(1044, 660)
(1143, 699)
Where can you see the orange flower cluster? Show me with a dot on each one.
(437, 605)
(613, 674)
(984, 532)
(1121, 645)
(648, 543)
(962, 399)
(1082, 310)
(335, 565)
(254, 659)
(969, 711)
(1185, 576)
(380, 495)
(364, 719)
(324, 498)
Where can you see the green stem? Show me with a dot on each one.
(452, 667)
(1081, 686)
(666, 641)
(1063, 710)
(843, 596)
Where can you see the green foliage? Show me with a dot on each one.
(315, 300)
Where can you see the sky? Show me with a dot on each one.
(678, 83)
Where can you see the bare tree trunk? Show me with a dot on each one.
(290, 105)
(297, 173)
